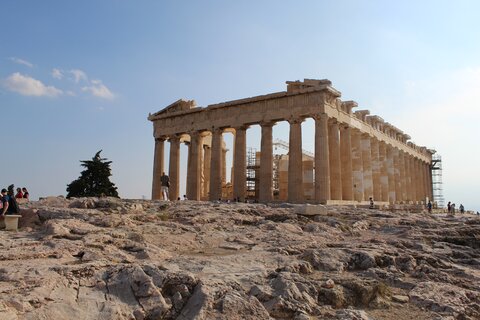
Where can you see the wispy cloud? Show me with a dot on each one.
(28, 86)
(79, 75)
(21, 61)
(98, 89)
(57, 73)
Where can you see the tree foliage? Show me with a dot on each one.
(94, 181)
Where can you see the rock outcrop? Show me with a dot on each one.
(108, 258)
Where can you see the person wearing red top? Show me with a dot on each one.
(19, 194)
(26, 195)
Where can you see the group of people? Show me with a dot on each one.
(451, 208)
(8, 200)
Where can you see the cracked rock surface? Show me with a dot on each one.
(106, 258)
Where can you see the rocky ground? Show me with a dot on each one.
(131, 259)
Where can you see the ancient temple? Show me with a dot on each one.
(357, 155)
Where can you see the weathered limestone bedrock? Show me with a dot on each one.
(106, 258)
(357, 155)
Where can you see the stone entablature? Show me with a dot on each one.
(310, 98)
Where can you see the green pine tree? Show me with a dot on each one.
(94, 181)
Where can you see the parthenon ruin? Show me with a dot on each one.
(356, 156)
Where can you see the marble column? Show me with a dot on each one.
(391, 174)
(174, 167)
(207, 158)
(419, 179)
(408, 179)
(158, 168)
(224, 165)
(376, 169)
(421, 167)
(403, 176)
(240, 163)
(346, 163)
(335, 163)
(216, 165)
(266, 163)
(367, 166)
(357, 166)
(398, 182)
(322, 164)
(295, 162)
(193, 169)
(382, 155)
(413, 176)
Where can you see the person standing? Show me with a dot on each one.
(462, 208)
(5, 202)
(449, 207)
(165, 182)
(429, 206)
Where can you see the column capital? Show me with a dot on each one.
(241, 127)
(174, 138)
(295, 120)
(160, 139)
(216, 130)
(320, 116)
(267, 123)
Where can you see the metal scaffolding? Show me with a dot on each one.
(437, 183)
(252, 174)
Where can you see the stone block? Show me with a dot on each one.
(311, 210)
(11, 222)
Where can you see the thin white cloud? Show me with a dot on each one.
(57, 73)
(21, 61)
(98, 89)
(28, 86)
(78, 75)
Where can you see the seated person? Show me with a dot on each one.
(19, 194)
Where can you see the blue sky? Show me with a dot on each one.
(77, 77)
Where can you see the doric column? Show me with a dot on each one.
(391, 174)
(346, 162)
(367, 166)
(408, 179)
(357, 166)
(429, 181)
(240, 163)
(398, 182)
(322, 164)
(193, 169)
(158, 167)
(266, 163)
(295, 161)
(216, 165)
(403, 176)
(335, 163)
(174, 167)
(419, 179)
(423, 177)
(207, 158)
(224, 164)
(413, 176)
(382, 154)
(376, 169)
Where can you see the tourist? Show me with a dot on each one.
(19, 194)
(462, 208)
(26, 195)
(449, 207)
(452, 208)
(165, 181)
(185, 197)
(372, 205)
(429, 206)
(5, 203)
